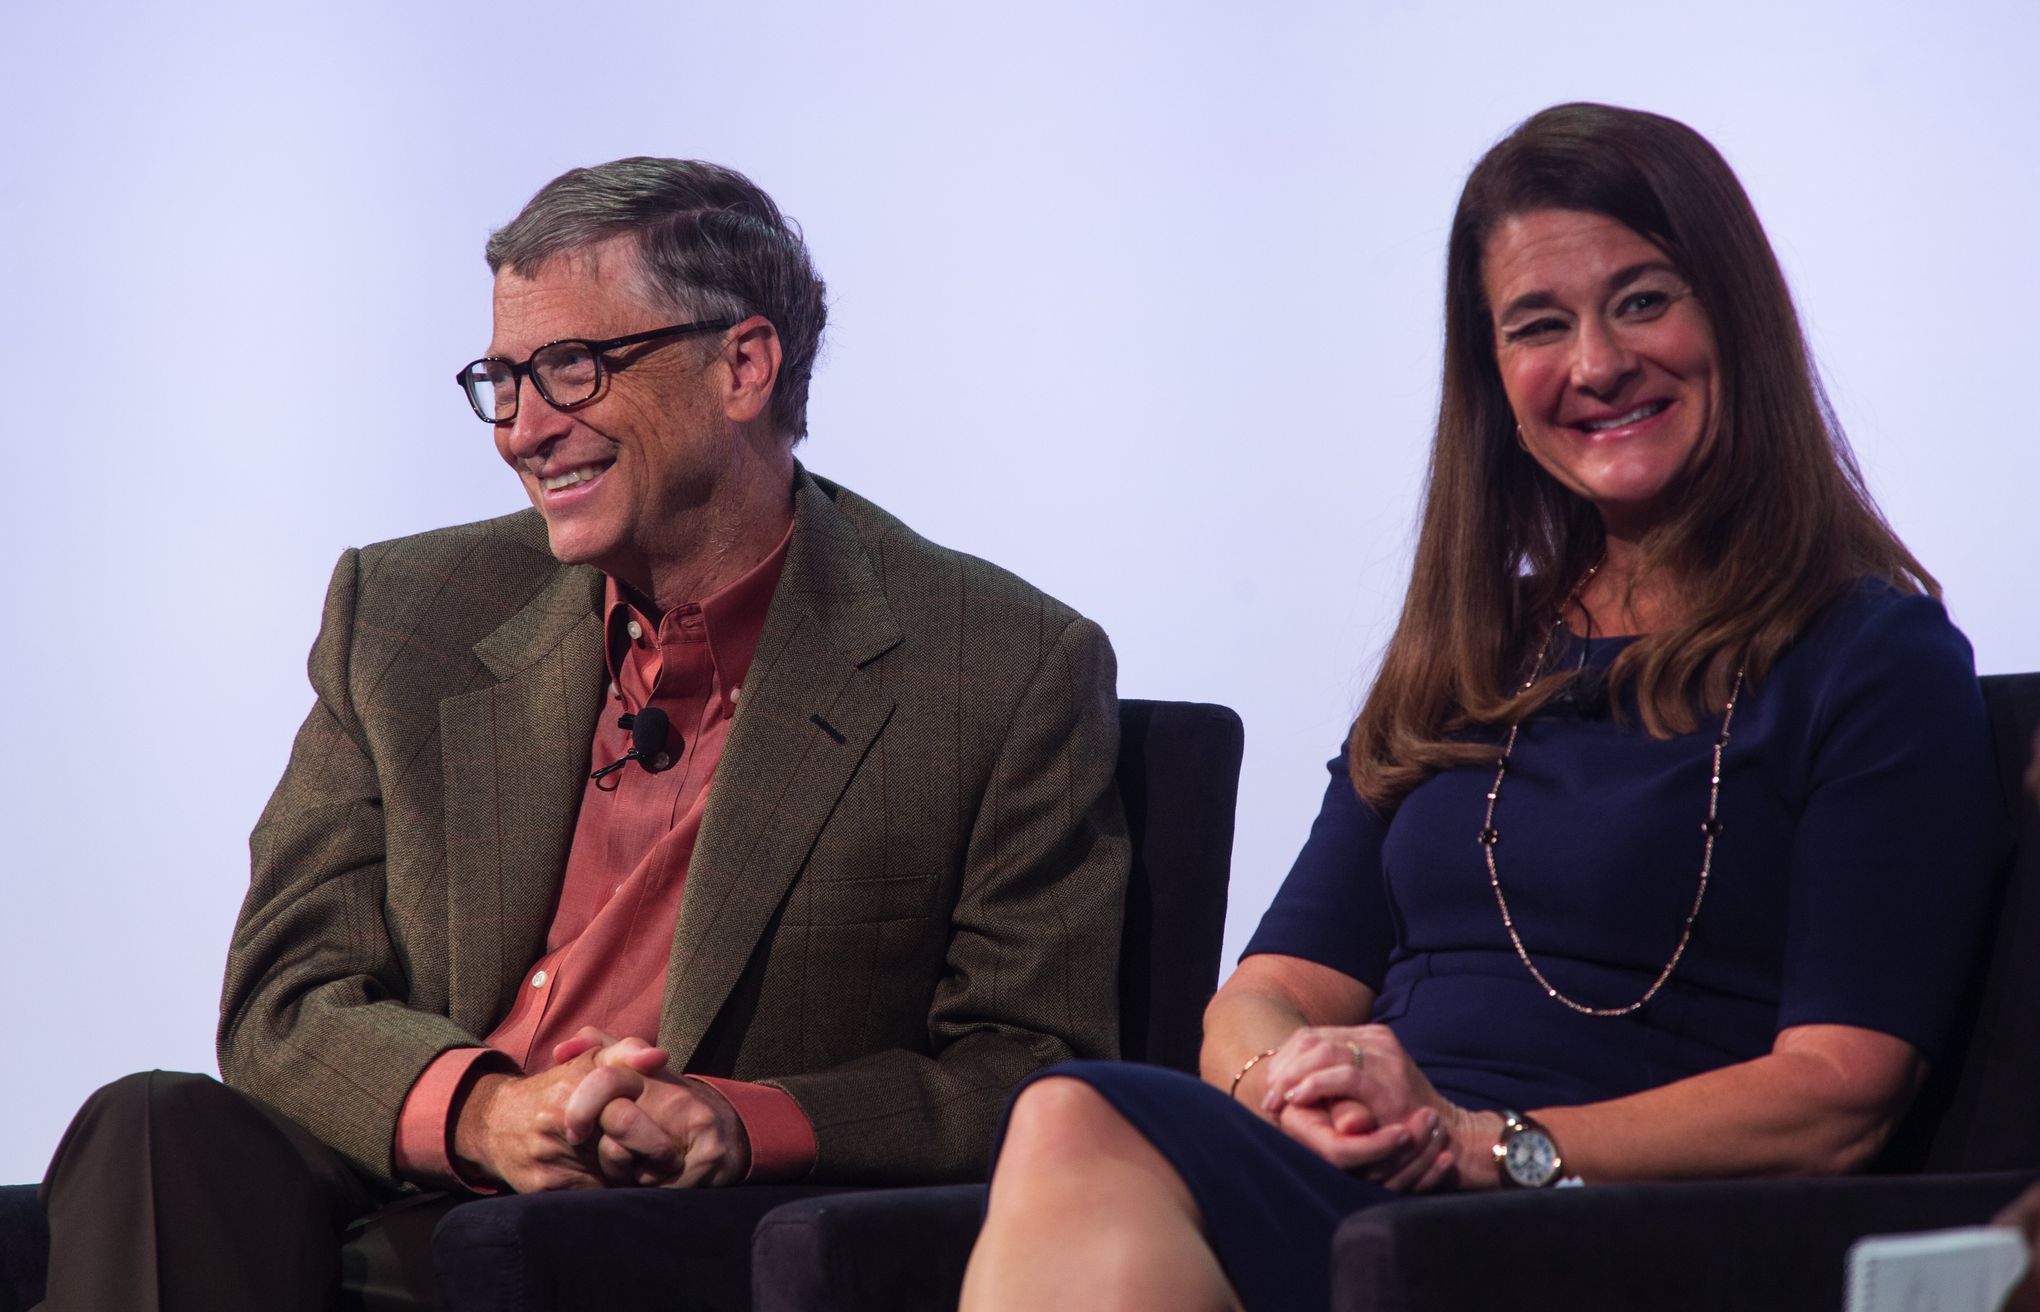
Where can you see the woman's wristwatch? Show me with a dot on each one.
(1526, 1156)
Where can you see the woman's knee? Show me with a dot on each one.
(1059, 1115)
(1071, 1158)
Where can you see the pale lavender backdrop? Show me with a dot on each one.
(1141, 301)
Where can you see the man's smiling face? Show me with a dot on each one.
(618, 478)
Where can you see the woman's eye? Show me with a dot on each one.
(1533, 330)
(1643, 304)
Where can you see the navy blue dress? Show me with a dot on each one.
(1862, 830)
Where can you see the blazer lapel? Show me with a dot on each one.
(516, 758)
(810, 710)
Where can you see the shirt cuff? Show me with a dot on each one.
(782, 1138)
(424, 1146)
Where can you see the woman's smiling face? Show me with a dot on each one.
(1607, 357)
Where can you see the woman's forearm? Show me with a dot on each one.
(1821, 1102)
(1239, 1026)
(1265, 1001)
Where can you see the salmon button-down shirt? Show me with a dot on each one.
(611, 934)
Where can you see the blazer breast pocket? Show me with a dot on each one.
(861, 901)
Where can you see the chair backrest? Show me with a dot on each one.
(1981, 1110)
(1179, 774)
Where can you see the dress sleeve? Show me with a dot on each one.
(1902, 835)
(1333, 907)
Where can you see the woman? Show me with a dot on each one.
(1662, 838)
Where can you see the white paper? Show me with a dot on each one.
(1965, 1270)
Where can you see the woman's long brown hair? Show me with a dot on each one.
(1772, 521)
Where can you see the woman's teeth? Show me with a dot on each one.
(1644, 411)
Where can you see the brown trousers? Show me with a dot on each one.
(173, 1193)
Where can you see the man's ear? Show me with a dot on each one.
(750, 360)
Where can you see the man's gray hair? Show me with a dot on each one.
(710, 245)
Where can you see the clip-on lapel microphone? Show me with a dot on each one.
(649, 730)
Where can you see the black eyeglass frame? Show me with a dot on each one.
(596, 350)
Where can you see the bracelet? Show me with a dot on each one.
(1252, 1062)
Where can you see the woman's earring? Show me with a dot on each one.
(1520, 439)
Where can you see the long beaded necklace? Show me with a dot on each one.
(1710, 827)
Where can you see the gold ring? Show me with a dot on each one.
(1354, 1048)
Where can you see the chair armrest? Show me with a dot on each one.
(899, 1249)
(24, 1248)
(604, 1248)
(1746, 1244)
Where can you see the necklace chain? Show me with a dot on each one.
(1489, 836)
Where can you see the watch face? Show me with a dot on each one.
(1530, 1158)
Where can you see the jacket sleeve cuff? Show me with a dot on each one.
(782, 1138)
(424, 1146)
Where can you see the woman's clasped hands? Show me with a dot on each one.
(1350, 1094)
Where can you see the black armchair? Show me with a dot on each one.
(24, 1248)
(1969, 1144)
(904, 1250)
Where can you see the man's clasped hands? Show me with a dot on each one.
(607, 1113)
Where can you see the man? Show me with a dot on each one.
(703, 824)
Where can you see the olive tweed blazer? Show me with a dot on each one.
(907, 890)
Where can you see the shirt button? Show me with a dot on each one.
(538, 980)
(612, 689)
(634, 629)
(736, 693)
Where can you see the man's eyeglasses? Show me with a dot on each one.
(567, 373)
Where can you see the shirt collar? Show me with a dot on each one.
(732, 618)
